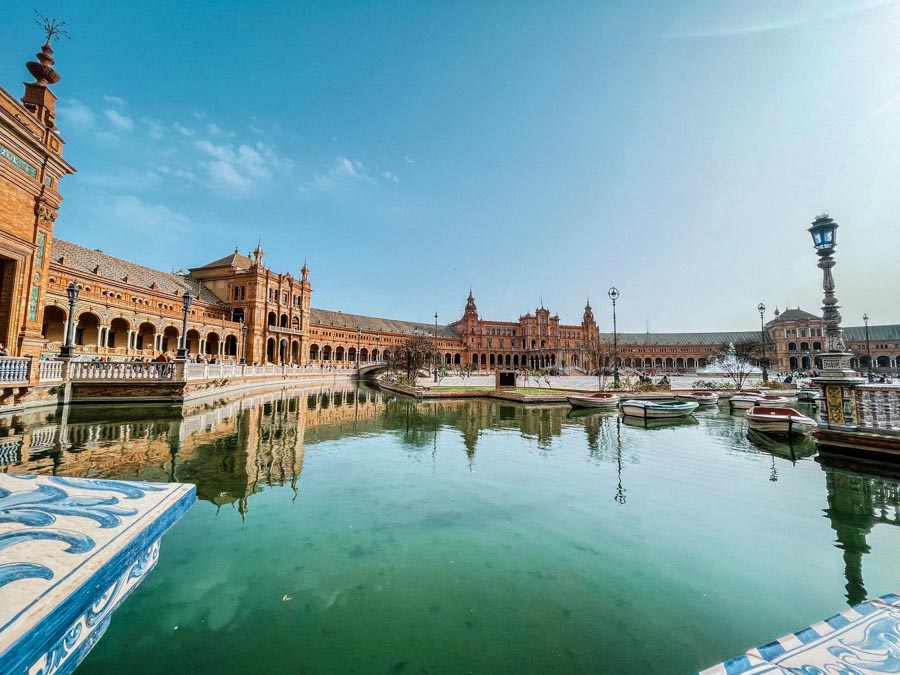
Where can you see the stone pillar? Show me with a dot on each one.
(100, 333)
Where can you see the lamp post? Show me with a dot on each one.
(868, 352)
(358, 343)
(377, 345)
(186, 301)
(72, 291)
(762, 334)
(614, 295)
(433, 349)
(243, 343)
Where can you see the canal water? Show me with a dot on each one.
(341, 530)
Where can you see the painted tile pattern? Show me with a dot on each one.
(71, 550)
(861, 640)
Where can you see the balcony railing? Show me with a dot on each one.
(91, 371)
(14, 370)
(50, 371)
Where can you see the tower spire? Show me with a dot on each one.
(38, 98)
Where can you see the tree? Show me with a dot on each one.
(411, 356)
(737, 360)
(600, 353)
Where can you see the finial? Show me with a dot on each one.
(52, 27)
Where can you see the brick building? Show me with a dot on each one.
(242, 309)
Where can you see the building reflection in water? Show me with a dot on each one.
(232, 450)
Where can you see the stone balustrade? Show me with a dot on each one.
(50, 371)
(14, 370)
(878, 407)
(82, 371)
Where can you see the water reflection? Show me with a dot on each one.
(235, 449)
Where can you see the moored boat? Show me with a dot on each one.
(658, 409)
(600, 400)
(773, 401)
(780, 421)
(744, 400)
(701, 397)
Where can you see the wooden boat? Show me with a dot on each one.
(658, 409)
(701, 397)
(774, 401)
(600, 400)
(785, 422)
(744, 400)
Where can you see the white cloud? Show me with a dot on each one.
(155, 130)
(76, 115)
(389, 175)
(183, 130)
(344, 168)
(408, 159)
(242, 166)
(133, 214)
(118, 120)
(115, 100)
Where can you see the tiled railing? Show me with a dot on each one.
(878, 407)
(14, 369)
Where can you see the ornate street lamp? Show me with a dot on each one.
(72, 291)
(243, 343)
(868, 352)
(824, 236)
(614, 295)
(186, 300)
(762, 334)
(358, 343)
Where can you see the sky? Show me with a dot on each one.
(533, 151)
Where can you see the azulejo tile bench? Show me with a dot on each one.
(860, 640)
(71, 550)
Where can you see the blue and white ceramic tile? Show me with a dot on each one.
(70, 551)
(861, 640)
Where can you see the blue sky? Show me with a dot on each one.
(408, 150)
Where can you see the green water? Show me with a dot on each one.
(340, 532)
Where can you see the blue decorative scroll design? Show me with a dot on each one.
(39, 507)
(10, 572)
(877, 652)
(129, 489)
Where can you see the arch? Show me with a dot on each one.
(54, 324)
(659, 362)
(883, 362)
(231, 345)
(701, 363)
(271, 319)
(475, 360)
(508, 360)
(270, 350)
(817, 362)
(483, 360)
(804, 363)
(492, 361)
(679, 363)
(515, 360)
(117, 333)
(387, 355)
(375, 354)
(792, 346)
(364, 355)
(534, 344)
(212, 343)
(144, 339)
(326, 353)
(237, 315)
(283, 351)
(338, 353)
(457, 359)
(284, 321)
(792, 362)
(295, 323)
(691, 363)
(170, 338)
(817, 346)
(314, 352)
(351, 354)
(87, 327)
(448, 359)
(804, 346)
(193, 341)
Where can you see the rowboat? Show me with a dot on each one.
(744, 400)
(701, 397)
(774, 401)
(658, 409)
(600, 400)
(780, 421)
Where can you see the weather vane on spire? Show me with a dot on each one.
(52, 27)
